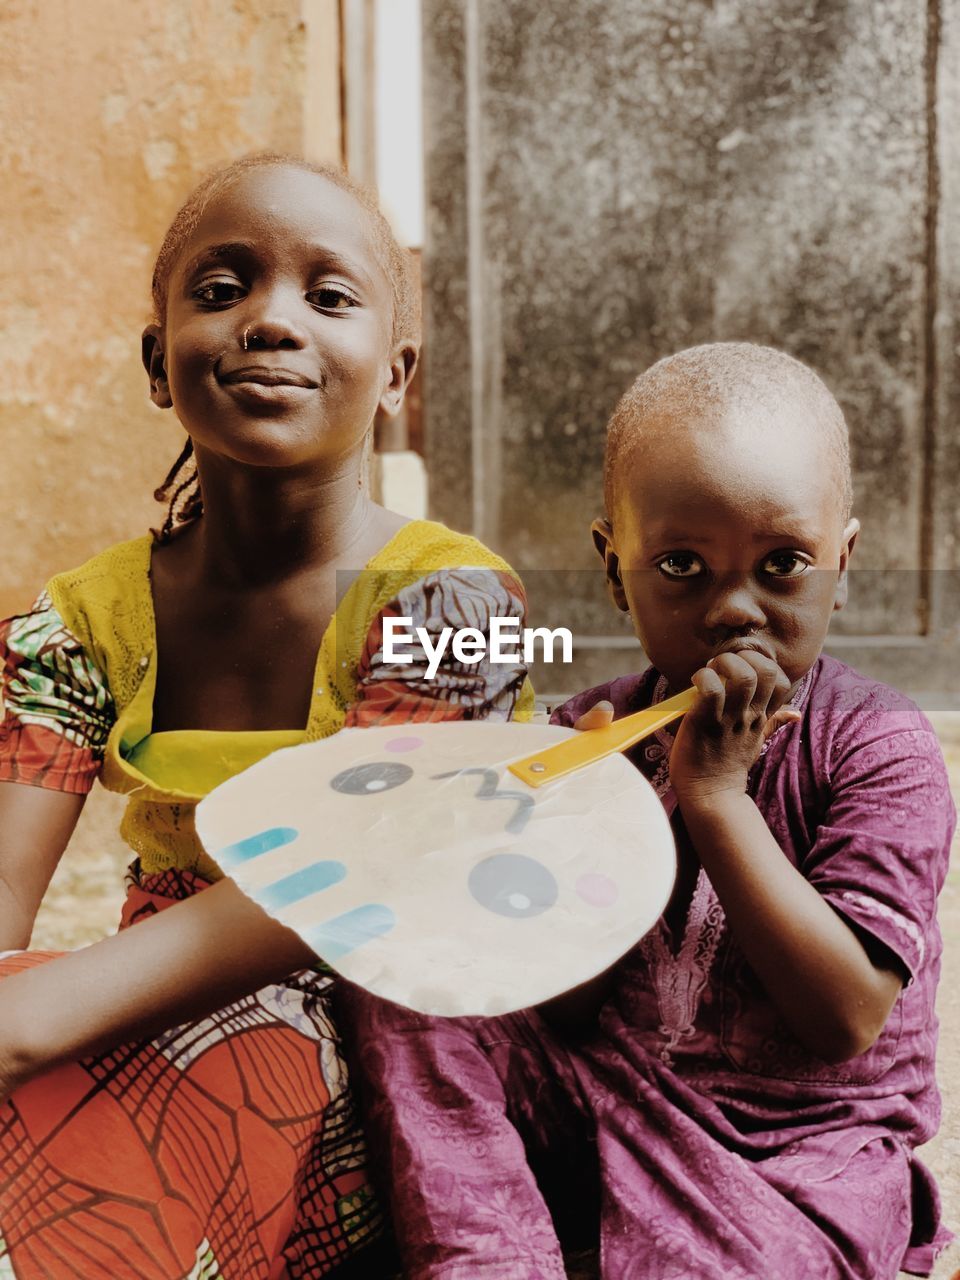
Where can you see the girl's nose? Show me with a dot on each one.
(734, 607)
(273, 324)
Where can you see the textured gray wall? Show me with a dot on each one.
(609, 182)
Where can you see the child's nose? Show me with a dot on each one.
(734, 606)
(273, 322)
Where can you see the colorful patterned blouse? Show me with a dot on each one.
(79, 674)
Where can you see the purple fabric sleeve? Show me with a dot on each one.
(878, 857)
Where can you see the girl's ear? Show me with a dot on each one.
(151, 353)
(602, 532)
(403, 364)
(846, 551)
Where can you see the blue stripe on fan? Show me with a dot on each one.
(253, 846)
(343, 934)
(301, 884)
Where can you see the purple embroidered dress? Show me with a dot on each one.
(704, 1137)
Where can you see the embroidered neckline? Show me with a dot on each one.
(679, 980)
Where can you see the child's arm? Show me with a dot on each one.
(830, 992)
(182, 964)
(35, 825)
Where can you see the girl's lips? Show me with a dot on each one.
(265, 376)
(268, 396)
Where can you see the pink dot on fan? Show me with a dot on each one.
(598, 890)
(403, 744)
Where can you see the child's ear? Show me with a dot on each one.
(846, 551)
(602, 532)
(403, 364)
(151, 353)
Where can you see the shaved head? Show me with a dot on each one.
(731, 390)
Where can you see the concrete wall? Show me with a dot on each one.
(609, 182)
(111, 112)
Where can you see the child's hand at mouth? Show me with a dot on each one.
(740, 705)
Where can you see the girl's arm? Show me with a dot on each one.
(830, 991)
(35, 825)
(180, 965)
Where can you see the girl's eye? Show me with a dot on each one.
(785, 564)
(218, 292)
(331, 297)
(681, 564)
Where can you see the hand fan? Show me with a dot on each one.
(416, 865)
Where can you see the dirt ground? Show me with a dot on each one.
(83, 904)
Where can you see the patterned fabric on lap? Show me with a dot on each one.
(215, 1150)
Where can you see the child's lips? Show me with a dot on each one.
(267, 376)
(260, 386)
(737, 646)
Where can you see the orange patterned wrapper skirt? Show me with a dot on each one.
(228, 1147)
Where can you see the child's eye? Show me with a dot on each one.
(330, 297)
(681, 564)
(785, 564)
(218, 292)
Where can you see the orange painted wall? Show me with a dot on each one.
(111, 113)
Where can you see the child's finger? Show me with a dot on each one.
(771, 689)
(598, 717)
(712, 693)
(740, 682)
(785, 715)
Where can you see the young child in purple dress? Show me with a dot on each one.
(741, 1096)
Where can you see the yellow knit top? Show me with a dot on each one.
(107, 605)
